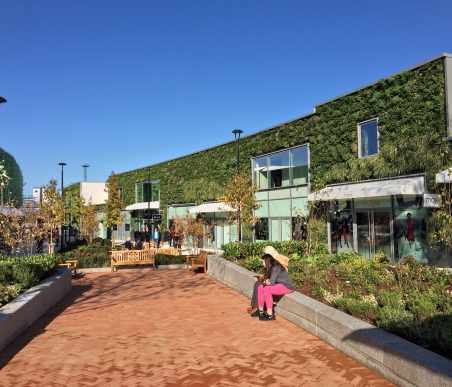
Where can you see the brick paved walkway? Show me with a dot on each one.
(169, 328)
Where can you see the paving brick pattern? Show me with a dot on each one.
(169, 328)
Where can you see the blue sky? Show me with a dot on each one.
(124, 84)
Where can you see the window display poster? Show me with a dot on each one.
(341, 232)
(410, 234)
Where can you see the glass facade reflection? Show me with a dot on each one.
(281, 169)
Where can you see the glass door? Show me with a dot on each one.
(280, 229)
(373, 232)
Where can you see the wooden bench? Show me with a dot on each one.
(71, 264)
(139, 257)
(199, 260)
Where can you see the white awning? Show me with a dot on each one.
(144, 206)
(444, 176)
(211, 207)
(414, 185)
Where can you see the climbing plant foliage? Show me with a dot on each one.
(12, 190)
(410, 112)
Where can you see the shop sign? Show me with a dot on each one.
(374, 202)
(432, 201)
(156, 217)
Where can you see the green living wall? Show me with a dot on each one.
(12, 192)
(410, 110)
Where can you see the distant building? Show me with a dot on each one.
(12, 192)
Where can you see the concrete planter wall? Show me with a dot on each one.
(20, 313)
(397, 360)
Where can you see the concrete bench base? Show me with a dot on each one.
(20, 313)
(397, 360)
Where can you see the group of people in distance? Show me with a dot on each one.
(156, 237)
(274, 281)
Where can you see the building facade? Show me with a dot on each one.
(372, 154)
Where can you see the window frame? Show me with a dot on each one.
(288, 150)
(151, 183)
(359, 135)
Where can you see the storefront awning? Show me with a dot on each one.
(211, 207)
(144, 206)
(413, 185)
(444, 176)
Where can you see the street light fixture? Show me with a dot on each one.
(84, 173)
(148, 239)
(2, 100)
(237, 133)
(62, 166)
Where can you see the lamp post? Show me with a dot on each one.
(2, 100)
(149, 209)
(237, 133)
(84, 166)
(62, 166)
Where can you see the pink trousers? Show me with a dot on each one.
(265, 294)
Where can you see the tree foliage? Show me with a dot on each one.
(191, 231)
(113, 204)
(239, 195)
(89, 220)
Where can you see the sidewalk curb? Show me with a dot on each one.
(19, 314)
(399, 361)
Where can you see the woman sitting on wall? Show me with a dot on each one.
(283, 260)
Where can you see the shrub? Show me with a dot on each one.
(71, 245)
(93, 261)
(234, 251)
(394, 320)
(8, 293)
(422, 306)
(392, 299)
(27, 270)
(253, 264)
(357, 308)
(167, 259)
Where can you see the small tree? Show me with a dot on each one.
(75, 206)
(113, 205)
(192, 231)
(53, 207)
(89, 220)
(239, 195)
(4, 178)
(440, 219)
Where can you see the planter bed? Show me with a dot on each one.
(19, 314)
(399, 361)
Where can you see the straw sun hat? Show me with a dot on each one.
(282, 259)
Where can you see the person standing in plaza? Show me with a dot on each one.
(172, 233)
(136, 234)
(156, 237)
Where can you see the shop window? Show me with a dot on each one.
(341, 231)
(368, 138)
(261, 229)
(299, 165)
(147, 192)
(281, 169)
(260, 172)
(410, 234)
(278, 166)
(299, 229)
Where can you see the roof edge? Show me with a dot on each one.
(443, 55)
